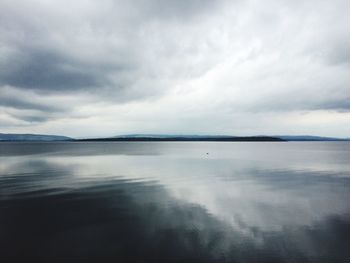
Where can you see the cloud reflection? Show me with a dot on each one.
(162, 208)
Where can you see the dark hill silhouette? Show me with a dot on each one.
(189, 138)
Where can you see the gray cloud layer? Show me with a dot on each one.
(136, 62)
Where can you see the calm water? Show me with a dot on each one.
(175, 202)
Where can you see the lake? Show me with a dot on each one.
(175, 202)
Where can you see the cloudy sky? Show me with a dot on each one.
(88, 68)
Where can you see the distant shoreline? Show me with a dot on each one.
(169, 138)
(186, 139)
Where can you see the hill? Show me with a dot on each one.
(203, 138)
(32, 137)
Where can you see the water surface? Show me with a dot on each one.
(175, 202)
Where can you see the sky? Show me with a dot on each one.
(87, 68)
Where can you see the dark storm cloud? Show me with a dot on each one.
(36, 61)
(29, 116)
(25, 104)
(46, 70)
(32, 119)
(339, 105)
(30, 107)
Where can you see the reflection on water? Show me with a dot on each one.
(173, 202)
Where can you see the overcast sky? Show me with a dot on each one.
(88, 68)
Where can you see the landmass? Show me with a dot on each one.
(32, 137)
(10, 137)
(189, 138)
